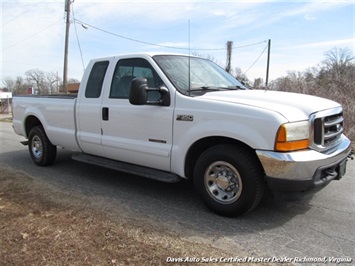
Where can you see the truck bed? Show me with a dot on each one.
(55, 112)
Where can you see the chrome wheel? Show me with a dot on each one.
(223, 182)
(37, 147)
(42, 151)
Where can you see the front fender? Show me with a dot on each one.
(257, 133)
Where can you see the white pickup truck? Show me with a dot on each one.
(170, 116)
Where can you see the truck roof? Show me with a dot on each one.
(140, 54)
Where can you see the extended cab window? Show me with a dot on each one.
(96, 79)
(128, 69)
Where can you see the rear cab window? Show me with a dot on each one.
(96, 79)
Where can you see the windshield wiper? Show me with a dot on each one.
(214, 88)
(236, 87)
(206, 88)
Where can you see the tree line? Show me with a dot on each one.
(41, 82)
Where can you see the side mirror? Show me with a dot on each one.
(138, 91)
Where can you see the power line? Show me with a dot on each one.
(247, 45)
(20, 14)
(29, 37)
(77, 38)
(128, 38)
(160, 45)
(255, 60)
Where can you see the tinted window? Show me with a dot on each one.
(96, 79)
(128, 69)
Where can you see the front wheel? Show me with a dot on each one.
(42, 151)
(229, 179)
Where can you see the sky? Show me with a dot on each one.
(33, 33)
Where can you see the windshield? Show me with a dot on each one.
(204, 75)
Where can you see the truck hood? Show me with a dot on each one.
(293, 106)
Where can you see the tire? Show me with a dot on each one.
(42, 151)
(229, 179)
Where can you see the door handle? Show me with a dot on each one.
(105, 113)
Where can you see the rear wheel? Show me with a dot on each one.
(229, 179)
(42, 151)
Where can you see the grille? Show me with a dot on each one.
(327, 128)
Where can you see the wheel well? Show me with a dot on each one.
(202, 145)
(31, 122)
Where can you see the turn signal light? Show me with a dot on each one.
(292, 137)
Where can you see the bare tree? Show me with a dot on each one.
(52, 81)
(73, 80)
(9, 83)
(336, 73)
(258, 83)
(239, 75)
(37, 78)
(21, 86)
(338, 60)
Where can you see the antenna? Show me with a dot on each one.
(189, 63)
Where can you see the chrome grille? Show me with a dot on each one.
(333, 128)
(327, 129)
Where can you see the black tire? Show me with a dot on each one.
(229, 179)
(42, 151)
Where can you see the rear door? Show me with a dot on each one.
(89, 117)
(136, 134)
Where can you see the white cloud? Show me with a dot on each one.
(222, 13)
(330, 43)
(309, 17)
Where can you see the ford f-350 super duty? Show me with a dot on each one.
(170, 116)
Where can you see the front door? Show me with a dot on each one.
(136, 134)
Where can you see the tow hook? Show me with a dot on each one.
(350, 156)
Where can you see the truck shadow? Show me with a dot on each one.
(174, 207)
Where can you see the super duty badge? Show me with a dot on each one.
(189, 118)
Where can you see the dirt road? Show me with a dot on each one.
(155, 222)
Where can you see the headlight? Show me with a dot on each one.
(292, 136)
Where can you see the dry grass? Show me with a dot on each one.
(6, 119)
(37, 228)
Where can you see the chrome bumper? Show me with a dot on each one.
(302, 165)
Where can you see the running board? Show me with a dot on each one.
(127, 168)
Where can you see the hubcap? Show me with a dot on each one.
(36, 147)
(223, 182)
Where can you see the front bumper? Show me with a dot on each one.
(298, 174)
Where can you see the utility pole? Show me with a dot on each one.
(65, 70)
(268, 63)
